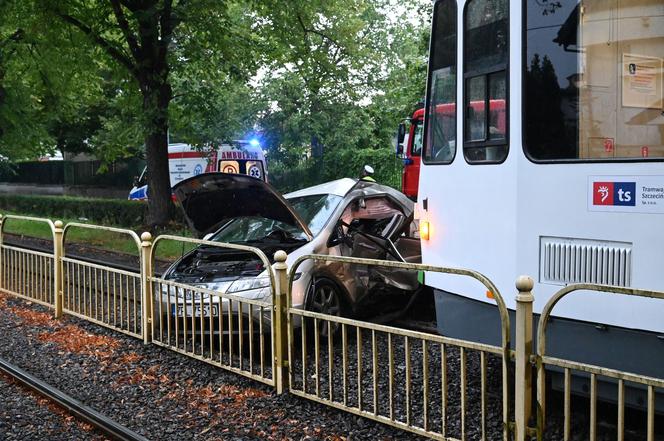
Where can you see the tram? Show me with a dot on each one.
(569, 190)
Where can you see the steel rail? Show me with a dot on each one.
(71, 405)
(14, 244)
(46, 251)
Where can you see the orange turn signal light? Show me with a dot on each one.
(424, 230)
(490, 295)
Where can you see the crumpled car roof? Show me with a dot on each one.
(339, 187)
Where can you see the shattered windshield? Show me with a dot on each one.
(257, 229)
(314, 211)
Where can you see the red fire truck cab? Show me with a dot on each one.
(409, 148)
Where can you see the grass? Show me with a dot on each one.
(102, 239)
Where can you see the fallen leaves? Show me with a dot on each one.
(143, 377)
(227, 408)
(129, 358)
(71, 338)
(34, 318)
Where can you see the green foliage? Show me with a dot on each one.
(356, 76)
(349, 163)
(336, 75)
(45, 89)
(102, 211)
(342, 163)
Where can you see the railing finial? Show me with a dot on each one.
(280, 256)
(146, 237)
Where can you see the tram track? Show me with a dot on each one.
(80, 411)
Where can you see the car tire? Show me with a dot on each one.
(324, 297)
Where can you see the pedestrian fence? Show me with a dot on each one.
(226, 330)
(595, 373)
(418, 403)
(399, 377)
(108, 296)
(27, 273)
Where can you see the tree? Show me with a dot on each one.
(14, 95)
(335, 73)
(137, 35)
(36, 93)
(149, 40)
(350, 71)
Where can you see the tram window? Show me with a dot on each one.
(476, 110)
(497, 110)
(440, 117)
(593, 80)
(485, 76)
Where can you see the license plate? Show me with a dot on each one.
(195, 310)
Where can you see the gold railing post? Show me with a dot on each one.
(58, 249)
(280, 325)
(524, 348)
(146, 287)
(2, 270)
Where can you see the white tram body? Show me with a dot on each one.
(570, 189)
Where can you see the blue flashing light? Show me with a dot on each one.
(254, 142)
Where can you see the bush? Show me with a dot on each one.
(115, 212)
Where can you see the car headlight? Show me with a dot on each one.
(190, 294)
(249, 284)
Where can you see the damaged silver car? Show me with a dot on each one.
(345, 217)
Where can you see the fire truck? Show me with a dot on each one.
(409, 148)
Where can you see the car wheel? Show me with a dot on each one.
(325, 298)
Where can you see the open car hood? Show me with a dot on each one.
(209, 200)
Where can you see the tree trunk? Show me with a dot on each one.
(156, 100)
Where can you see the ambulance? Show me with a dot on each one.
(185, 161)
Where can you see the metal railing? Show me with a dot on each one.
(595, 373)
(27, 273)
(225, 330)
(371, 372)
(419, 382)
(100, 293)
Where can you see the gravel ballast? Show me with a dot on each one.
(163, 395)
(158, 393)
(25, 415)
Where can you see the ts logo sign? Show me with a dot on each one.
(614, 193)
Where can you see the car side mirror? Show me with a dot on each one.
(401, 132)
(401, 136)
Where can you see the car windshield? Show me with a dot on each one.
(314, 210)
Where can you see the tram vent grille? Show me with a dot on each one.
(564, 261)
